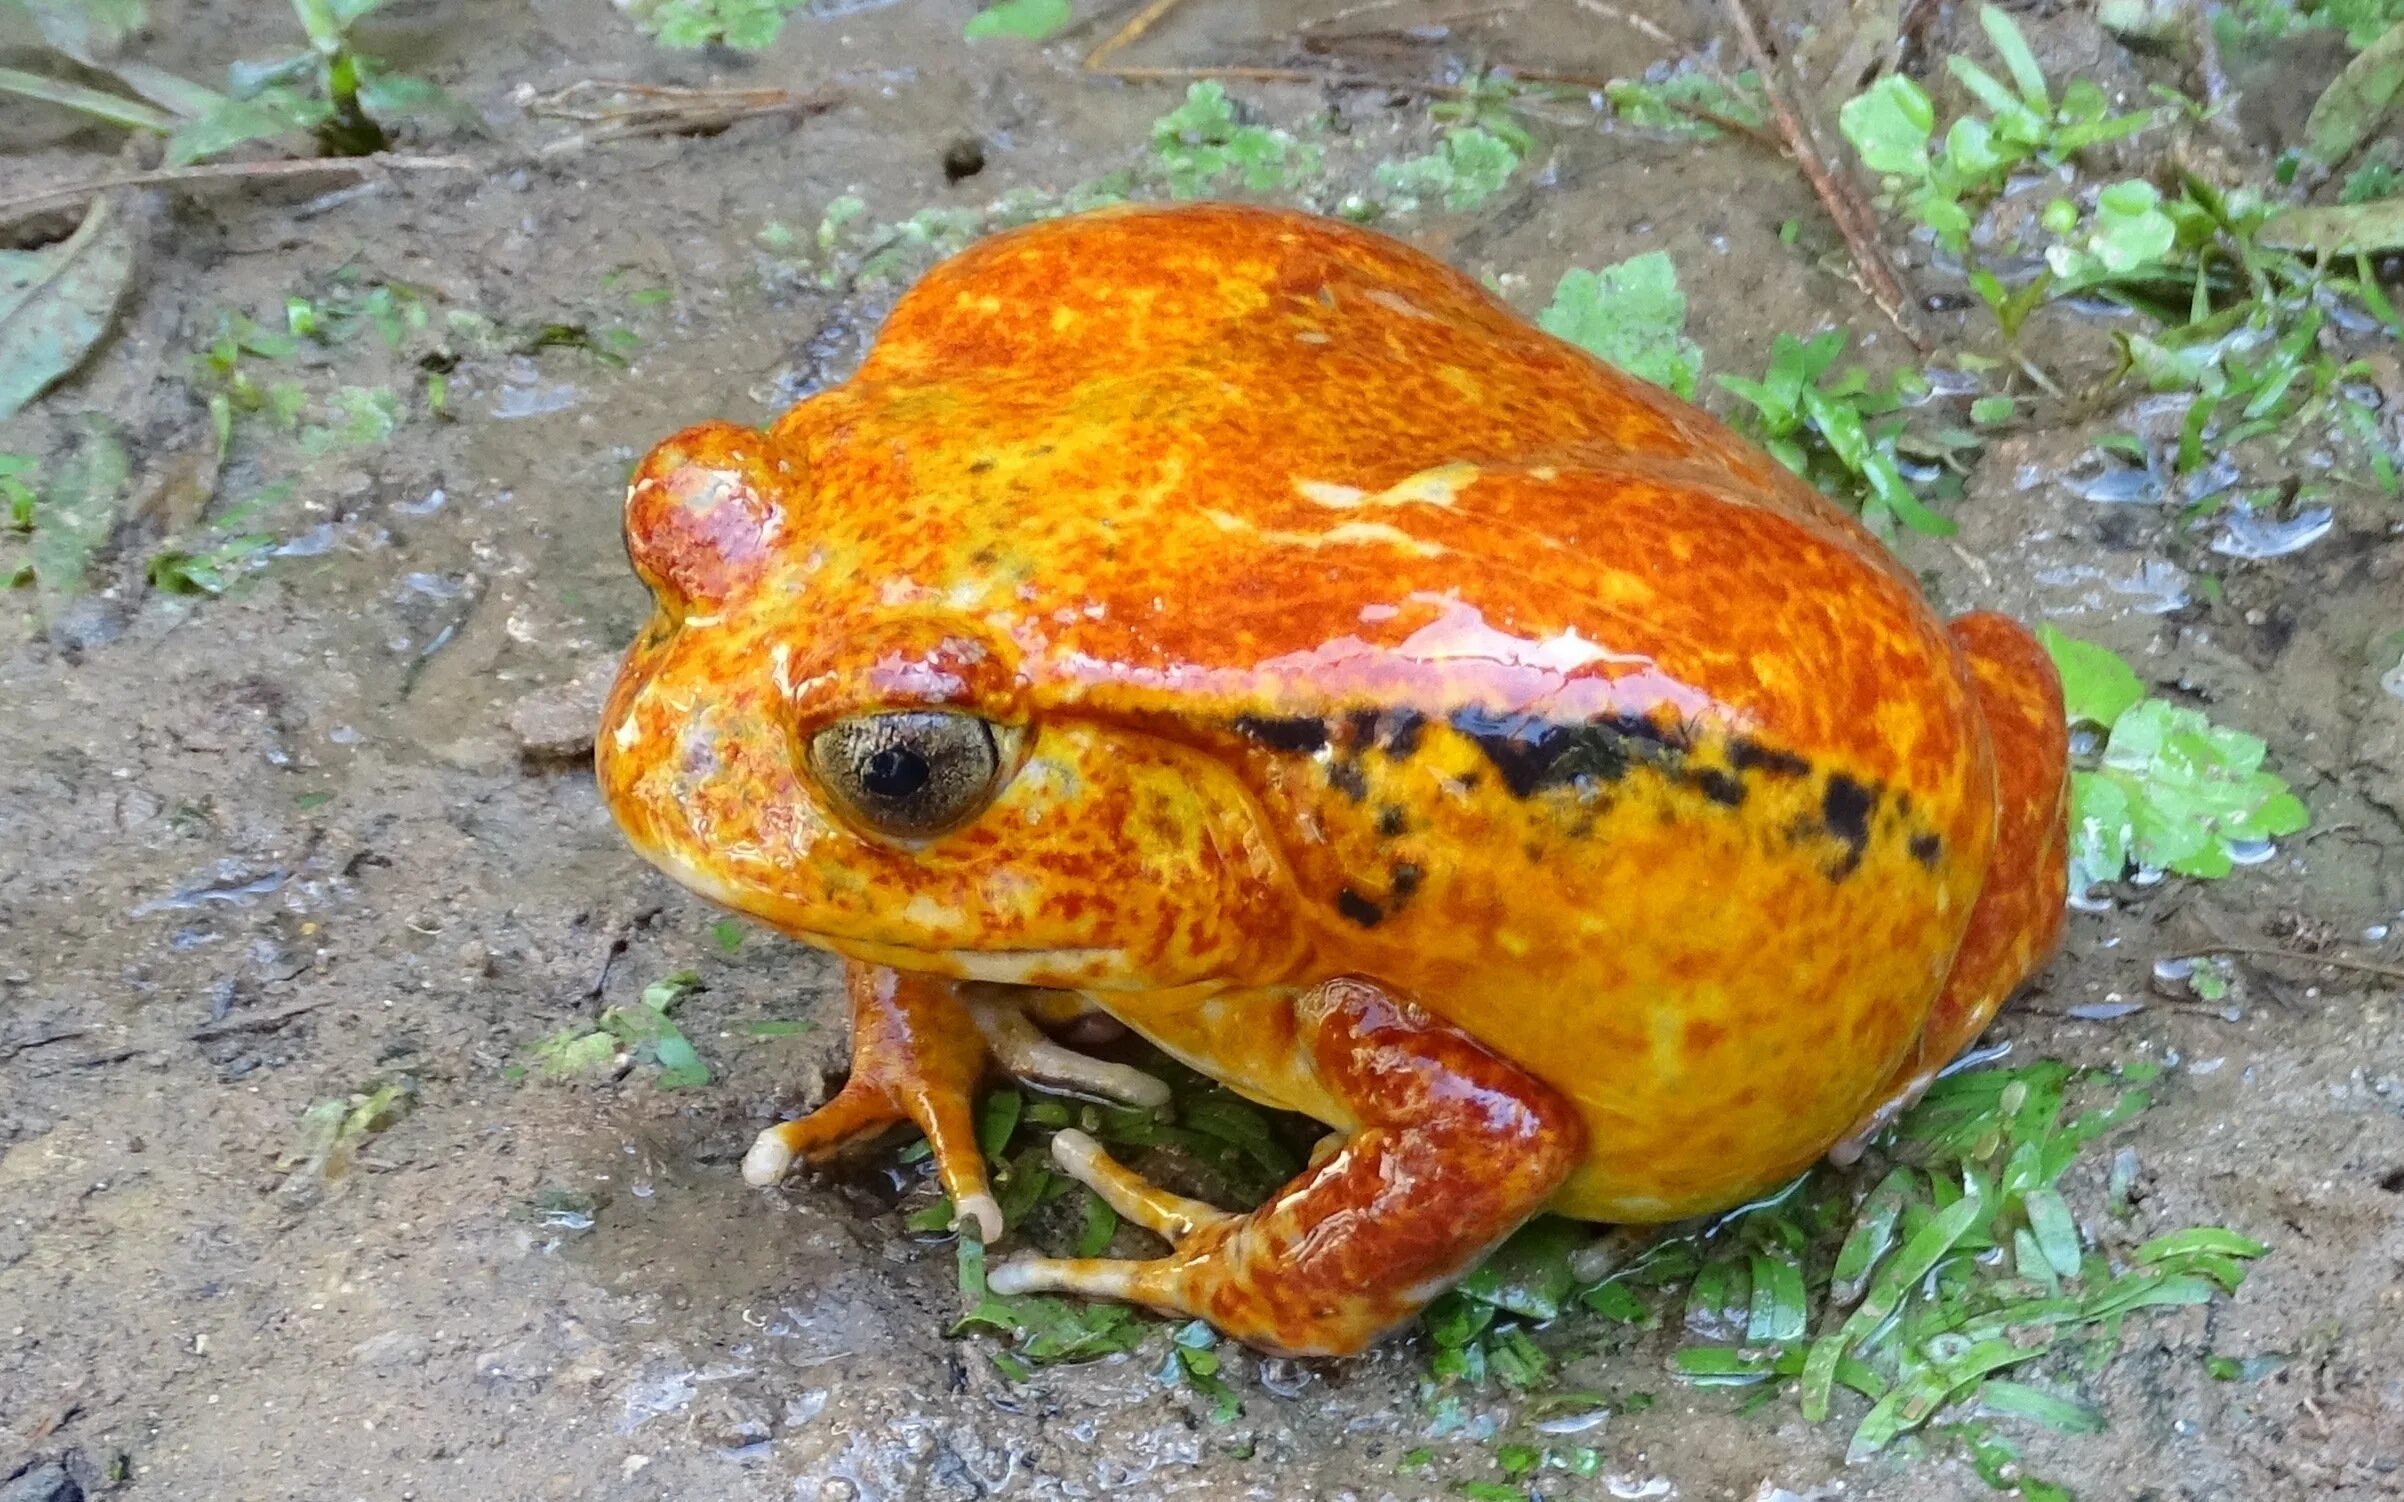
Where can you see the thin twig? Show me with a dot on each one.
(165, 177)
(1350, 12)
(1099, 61)
(1629, 19)
(27, 1045)
(2334, 962)
(263, 1024)
(1839, 195)
(630, 110)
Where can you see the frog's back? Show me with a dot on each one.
(1581, 720)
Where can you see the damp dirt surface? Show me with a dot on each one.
(332, 830)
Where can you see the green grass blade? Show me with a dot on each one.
(2002, 1395)
(114, 108)
(2216, 1239)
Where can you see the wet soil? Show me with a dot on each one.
(266, 849)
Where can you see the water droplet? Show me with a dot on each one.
(2247, 534)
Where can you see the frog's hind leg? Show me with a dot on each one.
(2017, 921)
(916, 1056)
(1455, 1150)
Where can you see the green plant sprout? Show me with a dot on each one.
(1633, 315)
(1840, 432)
(1686, 100)
(226, 548)
(1893, 127)
(1026, 20)
(331, 1132)
(331, 90)
(745, 25)
(1203, 142)
(2169, 790)
(640, 1033)
(2247, 24)
(1469, 165)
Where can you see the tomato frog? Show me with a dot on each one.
(1241, 624)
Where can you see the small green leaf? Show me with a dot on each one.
(1722, 1366)
(1779, 1311)
(2097, 685)
(1529, 1274)
(1632, 315)
(2000, 1395)
(2013, 47)
(1101, 1223)
(574, 1051)
(680, 1066)
(2358, 102)
(116, 109)
(997, 1121)
(1028, 20)
(778, 1027)
(55, 303)
(270, 113)
(2214, 1239)
(1890, 125)
(2056, 1233)
(669, 991)
(2130, 228)
(1617, 1301)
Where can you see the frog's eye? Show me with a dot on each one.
(909, 774)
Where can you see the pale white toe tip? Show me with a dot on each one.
(1013, 1278)
(767, 1161)
(984, 1212)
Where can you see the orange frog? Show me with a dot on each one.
(1239, 623)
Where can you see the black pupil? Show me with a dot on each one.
(895, 772)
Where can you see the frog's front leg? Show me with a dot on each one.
(916, 1056)
(918, 1049)
(1455, 1149)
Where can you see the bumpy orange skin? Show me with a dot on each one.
(1357, 628)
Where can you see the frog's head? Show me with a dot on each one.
(866, 767)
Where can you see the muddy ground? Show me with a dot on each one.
(261, 850)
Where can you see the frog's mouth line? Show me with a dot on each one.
(1052, 969)
(1057, 968)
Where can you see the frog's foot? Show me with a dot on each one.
(1023, 1051)
(1455, 1150)
(915, 1056)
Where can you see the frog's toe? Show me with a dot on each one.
(1167, 1215)
(1021, 1048)
(981, 1211)
(1087, 1277)
(766, 1163)
(856, 1110)
(1160, 1283)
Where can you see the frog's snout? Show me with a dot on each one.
(707, 511)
